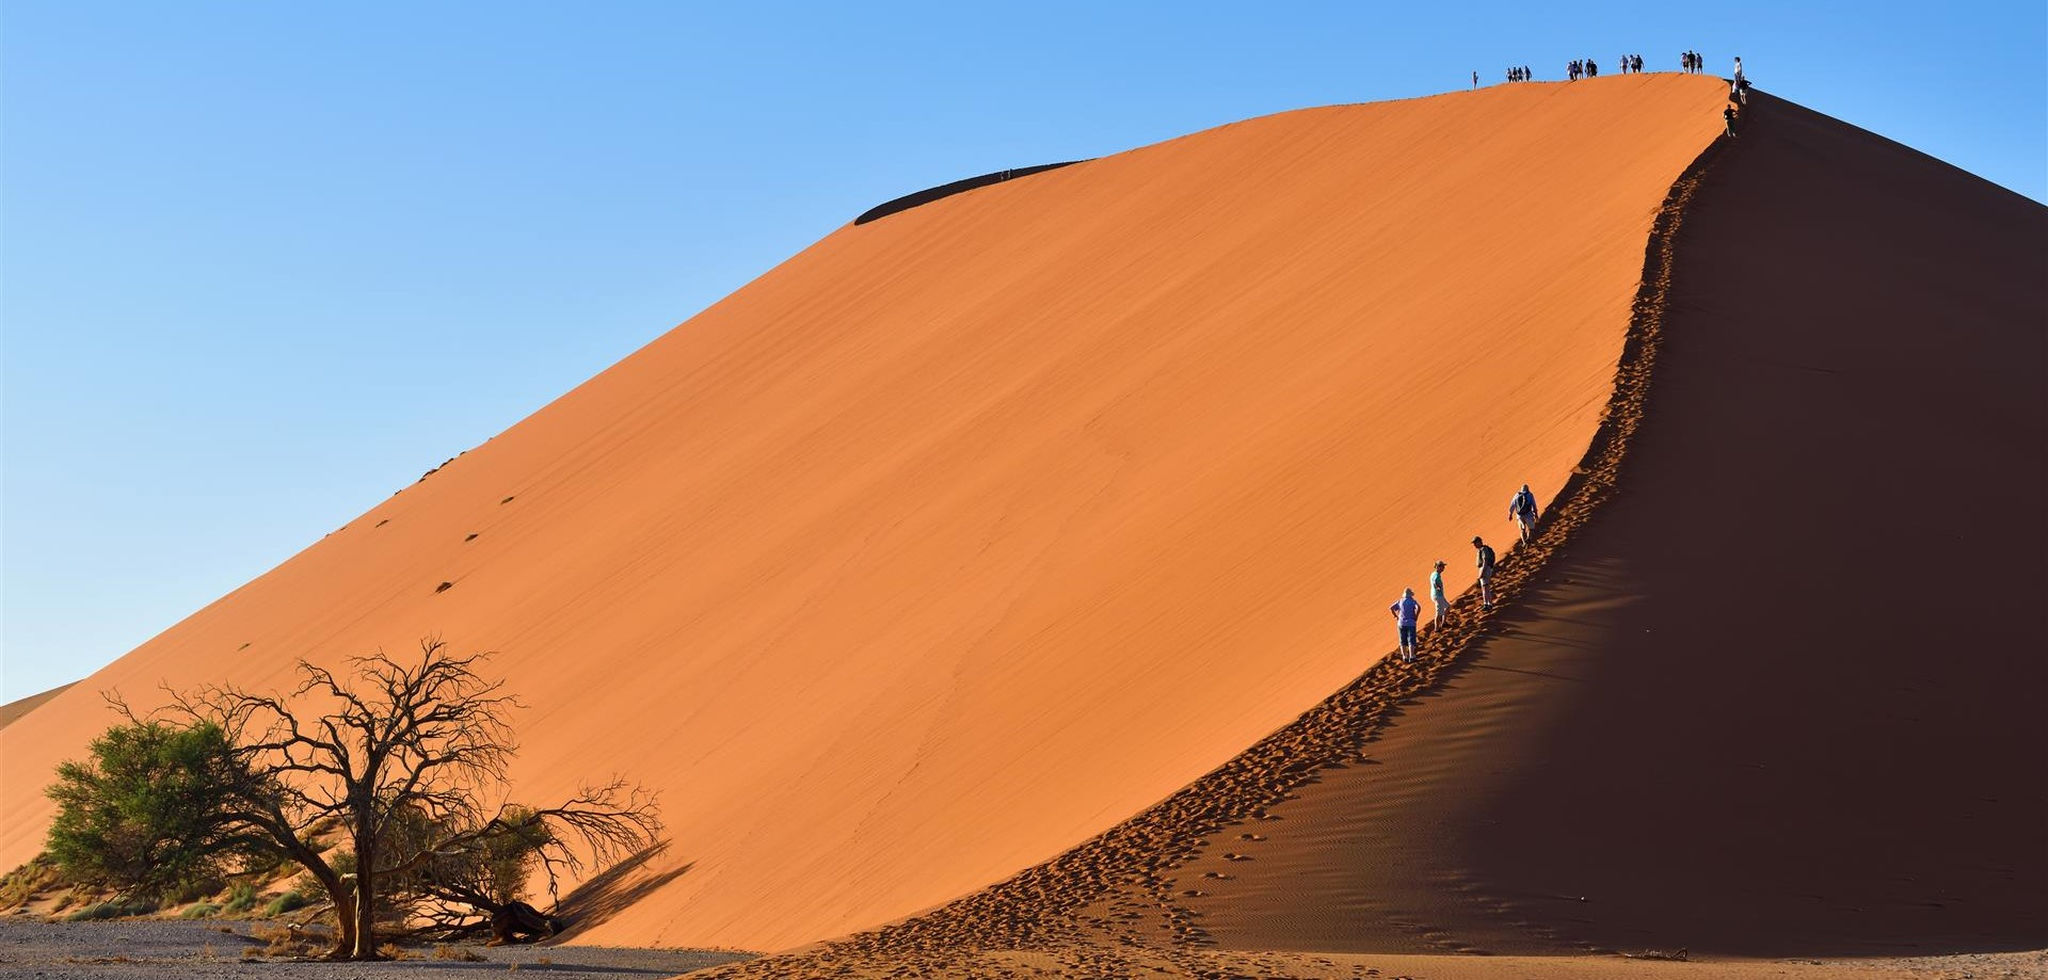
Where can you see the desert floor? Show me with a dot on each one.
(181, 950)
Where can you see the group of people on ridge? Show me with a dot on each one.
(1692, 62)
(1520, 74)
(1581, 69)
(1631, 64)
(1406, 611)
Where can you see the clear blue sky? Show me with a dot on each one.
(261, 264)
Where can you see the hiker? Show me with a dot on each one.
(1475, 78)
(1742, 90)
(1436, 594)
(1522, 510)
(1486, 565)
(1592, 68)
(1405, 609)
(1728, 116)
(1639, 64)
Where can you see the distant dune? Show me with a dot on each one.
(20, 706)
(965, 534)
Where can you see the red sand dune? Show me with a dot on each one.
(1764, 686)
(1782, 696)
(967, 533)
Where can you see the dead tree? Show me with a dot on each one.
(409, 760)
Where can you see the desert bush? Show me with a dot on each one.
(462, 954)
(139, 815)
(241, 898)
(291, 901)
(192, 891)
(203, 910)
(112, 909)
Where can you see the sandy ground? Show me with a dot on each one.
(969, 532)
(193, 950)
(196, 951)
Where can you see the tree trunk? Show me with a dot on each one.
(344, 922)
(365, 901)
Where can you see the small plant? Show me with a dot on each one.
(241, 898)
(111, 909)
(203, 910)
(393, 951)
(287, 902)
(446, 951)
(23, 882)
(289, 940)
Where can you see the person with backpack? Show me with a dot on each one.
(1486, 564)
(1405, 610)
(1522, 510)
(1436, 594)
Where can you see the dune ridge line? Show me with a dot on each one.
(1049, 901)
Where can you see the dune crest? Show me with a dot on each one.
(965, 534)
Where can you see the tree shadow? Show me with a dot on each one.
(597, 900)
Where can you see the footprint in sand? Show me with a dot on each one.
(1251, 837)
(507, 500)
(472, 537)
(443, 587)
(1237, 857)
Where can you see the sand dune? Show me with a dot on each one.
(1753, 702)
(966, 534)
(1774, 699)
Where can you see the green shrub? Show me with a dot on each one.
(203, 910)
(141, 814)
(288, 902)
(192, 891)
(111, 909)
(241, 898)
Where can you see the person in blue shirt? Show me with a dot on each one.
(1405, 611)
(1436, 594)
(1522, 510)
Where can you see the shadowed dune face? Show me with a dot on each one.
(15, 709)
(962, 535)
(1783, 694)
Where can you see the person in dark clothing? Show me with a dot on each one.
(1486, 564)
(1592, 68)
(1728, 116)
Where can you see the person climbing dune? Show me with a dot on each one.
(1486, 565)
(1405, 610)
(1436, 594)
(1522, 510)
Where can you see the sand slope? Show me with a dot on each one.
(964, 534)
(1781, 695)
